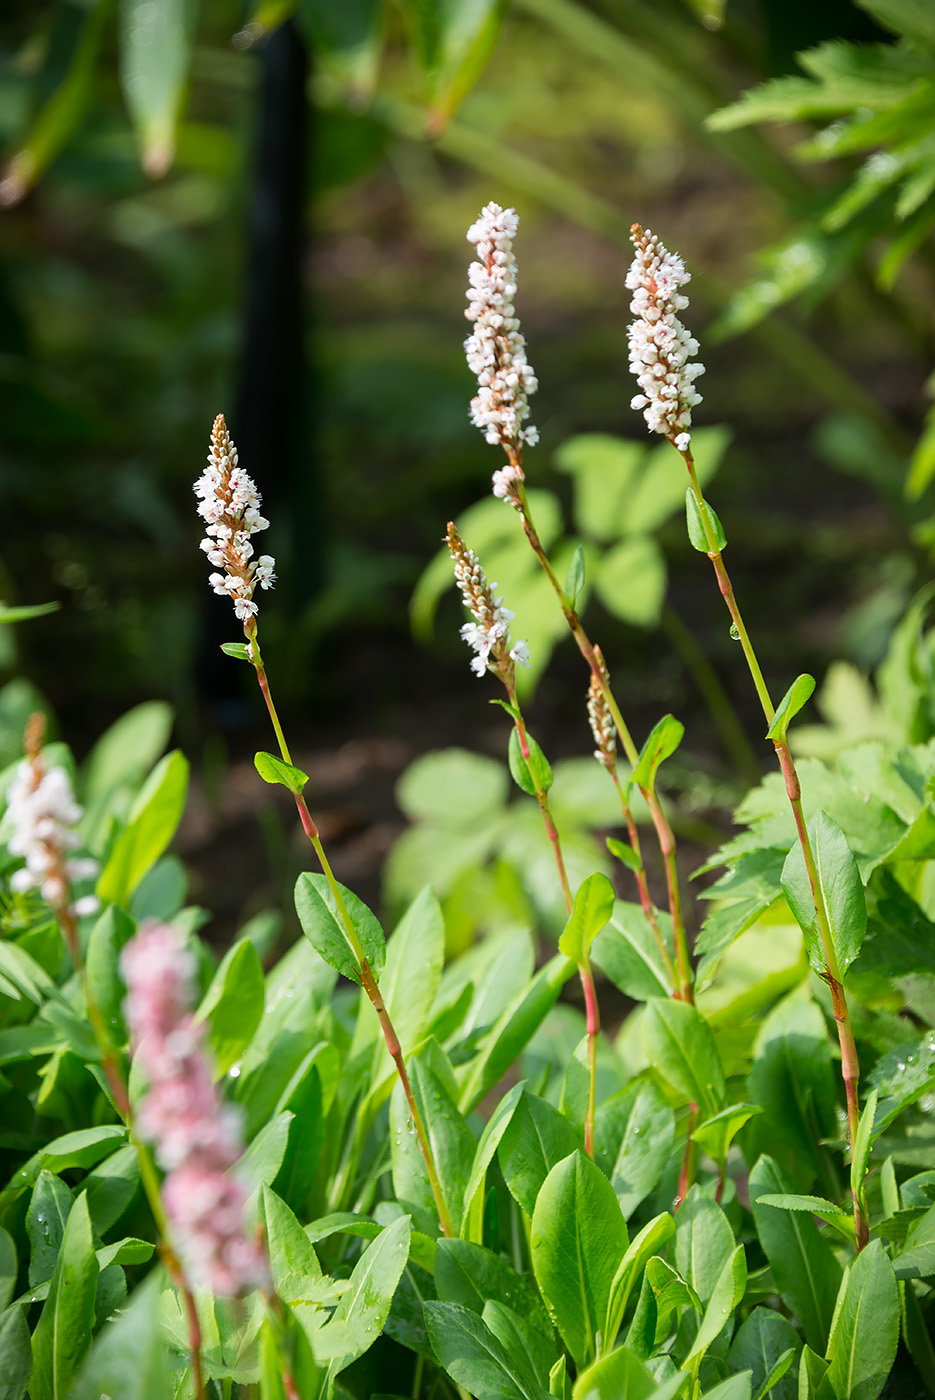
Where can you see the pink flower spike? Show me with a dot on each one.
(196, 1137)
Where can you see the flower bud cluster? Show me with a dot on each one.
(43, 812)
(196, 1138)
(602, 725)
(496, 349)
(660, 346)
(230, 504)
(488, 635)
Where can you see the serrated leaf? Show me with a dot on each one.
(594, 904)
(274, 770)
(789, 706)
(694, 518)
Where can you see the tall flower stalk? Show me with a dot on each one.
(661, 352)
(488, 635)
(496, 354)
(45, 815)
(230, 506)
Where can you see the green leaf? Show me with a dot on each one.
(111, 1187)
(238, 650)
(671, 1293)
(863, 1144)
(452, 42)
(232, 1006)
(362, 1311)
(154, 818)
(867, 1331)
(916, 1259)
(274, 770)
(348, 40)
(27, 612)
(793, 1081)
(264, 1156)
(726, 1295)
(470, 1275)
(661, 744)
(630, 580)
(110, 934)
(490, 1140)
(514, 1029)
(127, 750)
(789, 706)
(833, 1215)
(716, 1134)
(660, 489)
(619, 1376)
(533, 774)
(292, 1258)
(806, 1271)
(8, 1269)
(640, 1250)
(63, 1332)
(912, 18)
(606, 470)
(155, 53)
(627, 951)
(415, 955)
(46, 1218)
(634, 1134)
(473, 1357)
(129, 1358)
(694, 514)
(16, 1353)
(452, 788)
(575, 580)
(535, 1140)
(813, 1373)
(625, 854)
(594, 904)
(317, 910)
(679, 1044)
(533, 1352)
(450, 1139)
(763, 1344)
(704, 1243)
(840, 888)
(577, 1242)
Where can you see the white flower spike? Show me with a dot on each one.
(660, 347)
(496, 349)
(488, 635)
(230, 504)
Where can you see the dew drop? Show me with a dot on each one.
(734, 632)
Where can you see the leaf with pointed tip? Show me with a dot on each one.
(840, 889)
(536, 1139)
(867, 1332)
(695, 520)
(531, 771)
(594, 904)
(317, 909)
(362, 1311)
(725, 1297)
(679, 1044)
(63, 1332)
(275, 770)
(577, 1242)
(661, 744)
(798, 694)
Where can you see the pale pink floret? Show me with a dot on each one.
(197, 1138)
(661, 349)
(230, 506)
(496, 350)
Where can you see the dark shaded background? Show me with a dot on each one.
(302, 269)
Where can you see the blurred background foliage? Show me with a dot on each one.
(261, 210)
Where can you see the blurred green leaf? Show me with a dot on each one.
(155, 55)
(661, 744)
(63, 1332)
(233, 1005)
(154, 817)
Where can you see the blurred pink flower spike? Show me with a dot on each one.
(196, 1137)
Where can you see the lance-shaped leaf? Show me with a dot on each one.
(661, 744)
(634, 1134)
(474, 1358)
(642, 1248)
(362, 1311)
(232, 1006)
(727, 1293)
(154, 817)
(536, 1139)
(275, 770)
(716, 1134)
(155, 53)
(840, 889)
(532, 772)
(594, 904)
(796, 696)
(63, 1332)
(695, 516)
(863, 1347)
(577, 1242)
(679, 1044)
(324, 928)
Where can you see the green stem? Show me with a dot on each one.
(649, 908)
(592, 1009)
(660, 821)
(367, 979)
(850, 1067)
